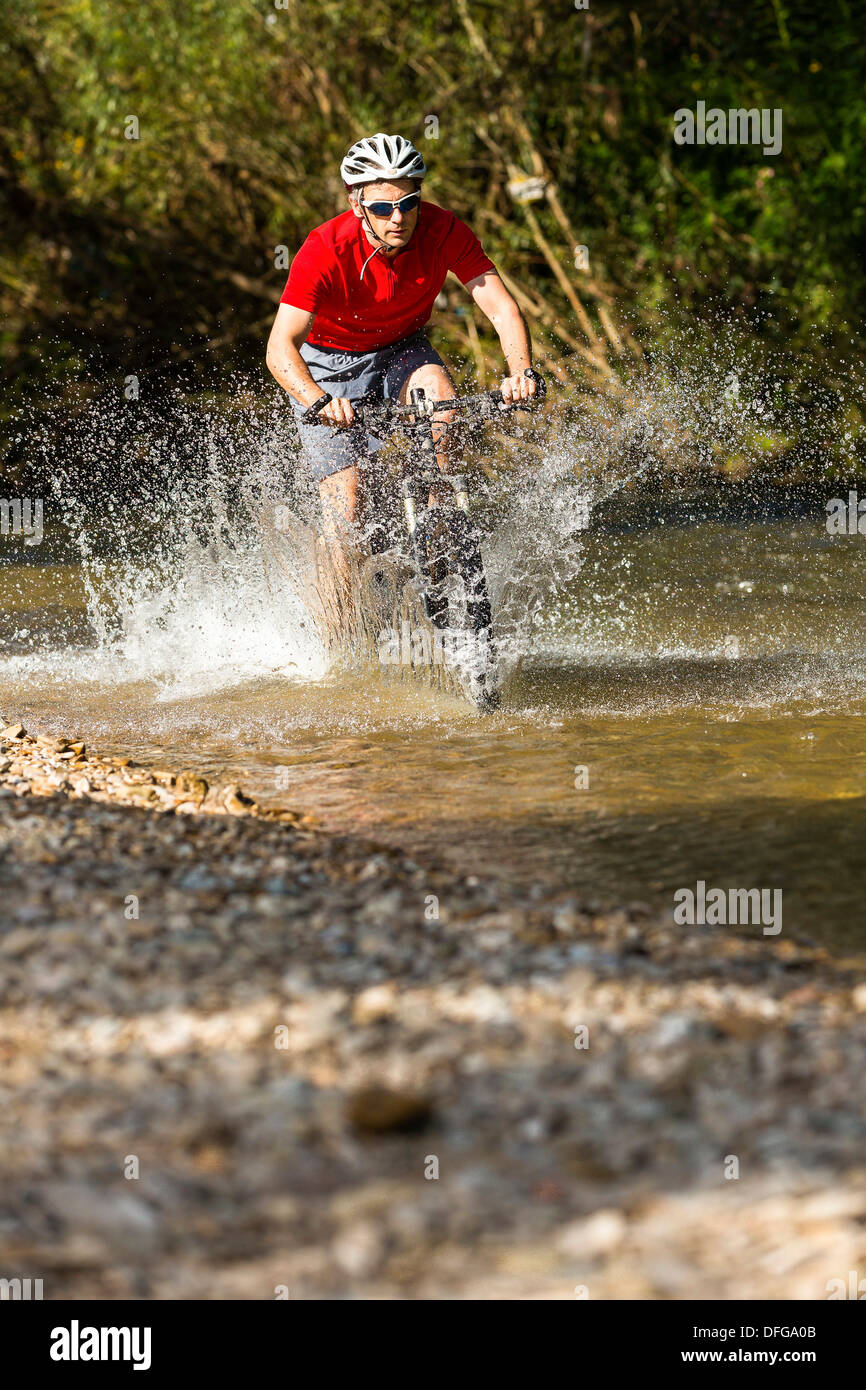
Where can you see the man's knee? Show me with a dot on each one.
(437, 385)
(433, 379)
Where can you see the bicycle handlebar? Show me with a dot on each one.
(488, 405)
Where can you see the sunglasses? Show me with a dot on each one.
(407, 204)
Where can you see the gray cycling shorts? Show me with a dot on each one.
(381, 374)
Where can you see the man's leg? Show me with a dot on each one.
(340, 498)
(339, 493)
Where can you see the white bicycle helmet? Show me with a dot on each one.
(381, 157)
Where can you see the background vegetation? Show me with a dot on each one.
(156, 256)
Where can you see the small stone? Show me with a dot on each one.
(371, 943)
(597, 1235)
(237, 802)
(375, 1003)
(358, 1249)
(566, 921)
(377, 1110)
(137, 793)
(54, 745)
(45, 786)
(746, 1027)
(13, 731)
(191, 785)
(123, 1219)
(533, 1129)
(18, 942)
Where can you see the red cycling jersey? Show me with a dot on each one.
(395, 297)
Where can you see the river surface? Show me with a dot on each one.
(691, 710)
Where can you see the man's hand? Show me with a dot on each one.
(517, 388)
(338, 412)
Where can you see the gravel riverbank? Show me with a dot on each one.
(241, 1055)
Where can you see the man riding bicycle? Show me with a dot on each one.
(351, 319)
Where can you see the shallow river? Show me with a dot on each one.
(692, 712)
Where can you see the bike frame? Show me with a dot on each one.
(445, 543)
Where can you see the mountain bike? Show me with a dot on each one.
(434, 552)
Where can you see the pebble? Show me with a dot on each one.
(358, 1248)
(46, 760)
(377, 1110)
(315, 1156)
(597, 1235)
(376, 1003)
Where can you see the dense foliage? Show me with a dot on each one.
(158, 254)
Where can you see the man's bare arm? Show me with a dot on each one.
(290, 330)
(494, 300)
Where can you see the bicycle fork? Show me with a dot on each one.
(445, 544)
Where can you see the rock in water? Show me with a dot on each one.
(377, 1110)
(195, 788)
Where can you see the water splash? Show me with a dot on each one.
(170, 555)
(165, 512)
